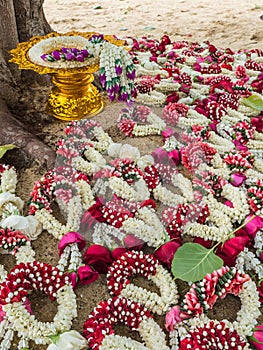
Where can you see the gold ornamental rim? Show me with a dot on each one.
(20, 53)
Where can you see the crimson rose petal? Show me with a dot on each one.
(98, 257)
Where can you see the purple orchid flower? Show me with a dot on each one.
(118, 70)
(75, 50)
(85, 53)
(69, 56)
(56, 55)
(103, 79)
(80, 58)
(44, 57)
(131, 75)
(111, 97)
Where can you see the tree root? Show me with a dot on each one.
(12, 131)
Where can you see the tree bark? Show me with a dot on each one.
(30, 19)
(12, 131)
(19, 21)
(9, 74)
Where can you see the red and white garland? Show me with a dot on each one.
(36, 275)
(213, 335)
(150, 123)
(98, 328)
(70, 189)
(137, 263)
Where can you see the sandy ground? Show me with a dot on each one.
(226, 23)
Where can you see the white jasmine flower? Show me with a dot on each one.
(7, 197)
(145, 161)
(118, 150)
(27, 224)
(71, 340)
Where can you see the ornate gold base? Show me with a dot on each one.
(73, 96)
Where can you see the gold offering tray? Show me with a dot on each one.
(73, 95)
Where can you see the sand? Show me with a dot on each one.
(227, 23)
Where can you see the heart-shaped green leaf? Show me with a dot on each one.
(5, 148)
(192, 262)
(253, 101)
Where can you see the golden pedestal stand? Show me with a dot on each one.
(73, 95)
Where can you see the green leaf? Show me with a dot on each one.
(192, 262)
(253, 101)
(54, 338)
(255, 340)
(5, 148)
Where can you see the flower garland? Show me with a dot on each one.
(151, 124)
(108, 236)
(130, 263)
(11, 240)
(66, 54)
(60, 184)
(89, 131)
(220, 215)
(248, 261)
(8, 178)
(80, 155)
(202, 297)
(16, 230)
(215, 335)
(125, 180)
(70, 247)
(37, 275)
(9, 203)
(71, 190)
(98, 328)
(27, 275)
(197, 60)
(125, 191)
(147, 226)
(219, 155)
(255, 194)
(11, 206)
(129, 218)
(117, 72)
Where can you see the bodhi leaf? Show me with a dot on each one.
(5, 148)
(192, 262)
(253, 101)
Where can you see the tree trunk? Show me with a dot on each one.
(19, 21)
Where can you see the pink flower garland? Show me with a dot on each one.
(203, 295)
